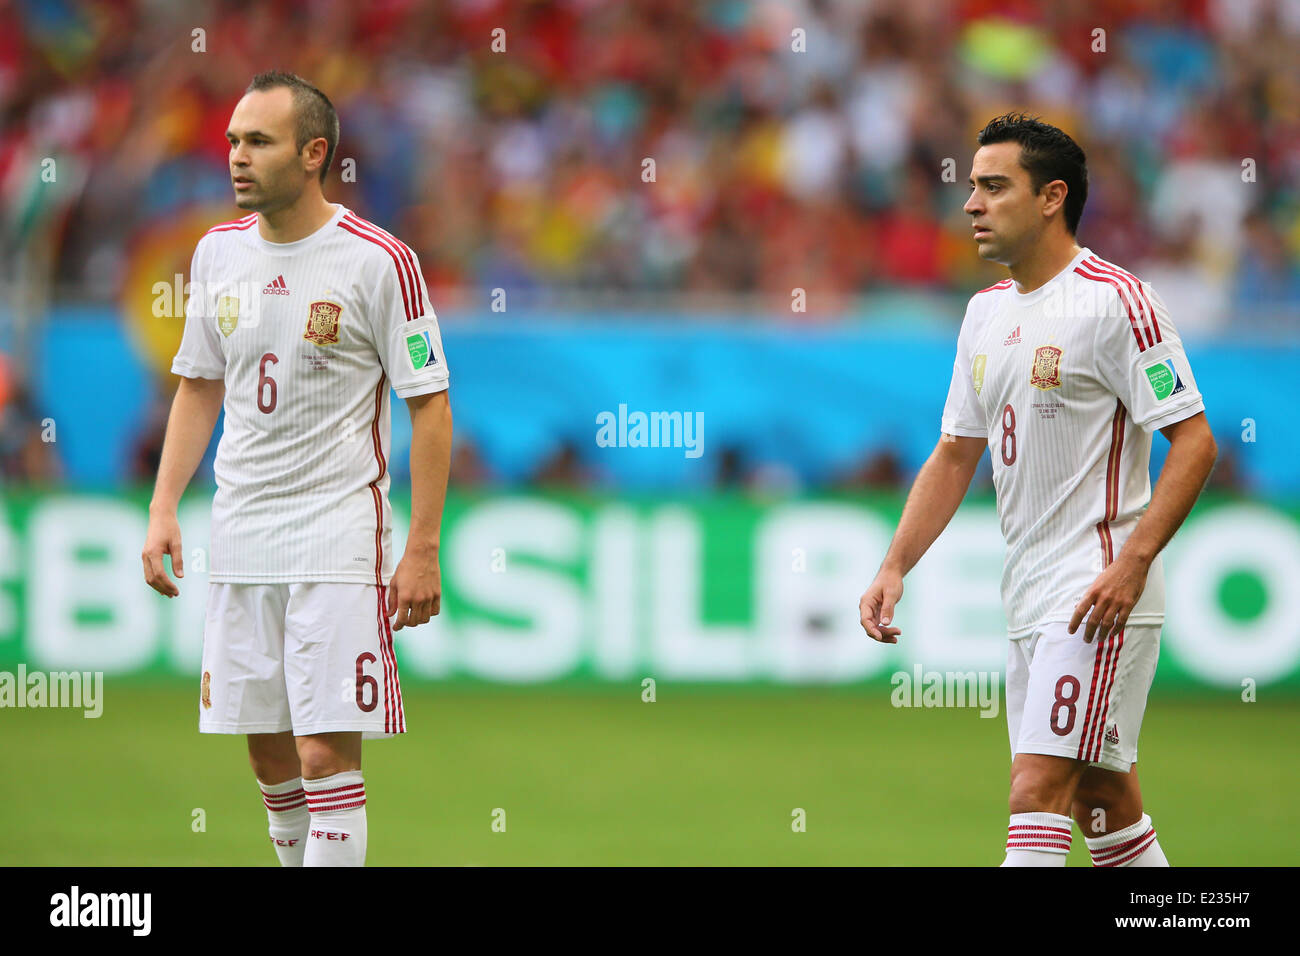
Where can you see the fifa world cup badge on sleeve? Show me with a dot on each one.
(1164, 379)
(323, 323)
(419, 349)
(1047, 367)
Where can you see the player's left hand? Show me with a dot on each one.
(415, 591)
(1111, 598)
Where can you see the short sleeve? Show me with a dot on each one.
(406, 330)
(962, 414)
(1141, 359)
(200, 354)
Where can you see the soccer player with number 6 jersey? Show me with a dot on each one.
(302, 316)
(1064, 371)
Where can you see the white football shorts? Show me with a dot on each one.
(1085, 701)
(310, 658)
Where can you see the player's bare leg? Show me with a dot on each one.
(336, 798)
(1120, 834)
(1042, 790)
(274, 758)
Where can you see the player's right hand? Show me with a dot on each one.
(876, 609)
(163, 537)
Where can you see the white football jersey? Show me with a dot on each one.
(1067, 384)
(308, 336)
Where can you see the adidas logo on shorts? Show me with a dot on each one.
(1112, 734)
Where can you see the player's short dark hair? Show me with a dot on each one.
(1047, 154)
(314, 114)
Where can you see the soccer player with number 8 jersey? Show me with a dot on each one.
(303, 316)
(1064, 371)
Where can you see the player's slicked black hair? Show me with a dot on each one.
(314, 114)
(1047, 154)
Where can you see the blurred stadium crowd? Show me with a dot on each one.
(783, 159)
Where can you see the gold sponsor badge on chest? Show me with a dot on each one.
(227, 314)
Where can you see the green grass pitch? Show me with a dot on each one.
(703, 776)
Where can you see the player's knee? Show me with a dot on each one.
(271, 769)
(1089, 815)
(1098, 791)
(1035, 792)
(271, 760)
(319, 759)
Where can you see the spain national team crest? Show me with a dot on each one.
(205, 691)
(227, 314)
(323, 323)
(1047, 367)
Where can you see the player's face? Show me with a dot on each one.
(1003, 207)
(266, 169)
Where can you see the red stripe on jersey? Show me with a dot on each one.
(394, 248)
(234, 224)
(404, 255)
(1117, 439)
(1134, 285)
(1132, 319)
(1127, 284)
(377, 447)
(346, 223)
(1004, 284)
(1112, 483)
(408, 257)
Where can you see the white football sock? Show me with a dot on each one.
(286, 808)
(337, 834)
(1038, 839)
(1135, 845)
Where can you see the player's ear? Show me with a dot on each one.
(1053, 195)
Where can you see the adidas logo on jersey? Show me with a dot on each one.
(1112, 734)
(1013, 338)
(276, 287)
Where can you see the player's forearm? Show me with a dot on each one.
(189, 429)
(430, 463)
(935, 496)
(1187, 466)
